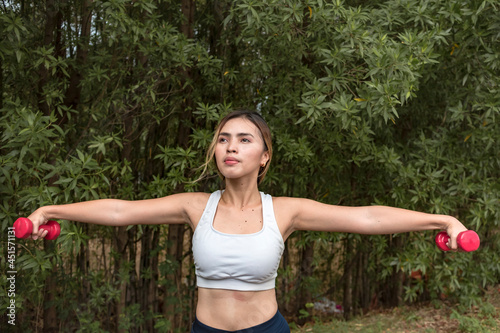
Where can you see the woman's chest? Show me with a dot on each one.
(247, 220)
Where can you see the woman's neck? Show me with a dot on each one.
(241, 195)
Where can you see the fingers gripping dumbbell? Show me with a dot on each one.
(467, 241)
(24, 227)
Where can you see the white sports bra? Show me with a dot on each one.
(244, 262)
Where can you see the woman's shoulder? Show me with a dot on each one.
(287, 204)
(192, 203)
(291, 206)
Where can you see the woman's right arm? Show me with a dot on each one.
(173, 209)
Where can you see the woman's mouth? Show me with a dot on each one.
(231, 161)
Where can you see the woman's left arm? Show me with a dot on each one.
(305, 214)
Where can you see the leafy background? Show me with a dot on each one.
(370, 102)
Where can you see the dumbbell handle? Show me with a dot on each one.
(23, 227)
(467, 241)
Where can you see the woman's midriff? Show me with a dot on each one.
(233, 310)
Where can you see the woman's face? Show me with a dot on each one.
(240, 149)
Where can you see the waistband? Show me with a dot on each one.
(277, 324)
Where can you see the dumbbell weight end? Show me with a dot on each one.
(23, 227)
(467, 241)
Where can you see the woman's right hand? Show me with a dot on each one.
(38, 218)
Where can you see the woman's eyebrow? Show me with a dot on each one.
(238, 135)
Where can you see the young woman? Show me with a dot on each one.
(239, 233)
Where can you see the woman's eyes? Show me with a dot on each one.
(224, 140)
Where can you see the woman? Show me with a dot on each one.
(239, 233)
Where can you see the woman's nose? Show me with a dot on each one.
(231, 148)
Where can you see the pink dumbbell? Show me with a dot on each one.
(467, 241)
(24, 227)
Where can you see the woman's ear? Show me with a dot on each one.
(264, 159)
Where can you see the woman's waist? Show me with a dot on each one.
(233, 309)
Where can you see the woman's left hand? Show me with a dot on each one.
(453, 229)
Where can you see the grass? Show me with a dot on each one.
(429, 318)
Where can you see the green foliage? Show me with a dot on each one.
(387, 102)
(470, 324)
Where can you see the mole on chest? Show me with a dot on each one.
(244, 221)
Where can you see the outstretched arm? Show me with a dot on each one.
(374, 220)
(112, 212)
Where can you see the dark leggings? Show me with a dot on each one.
(276, 324)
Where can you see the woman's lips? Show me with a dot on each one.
(231, 161)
